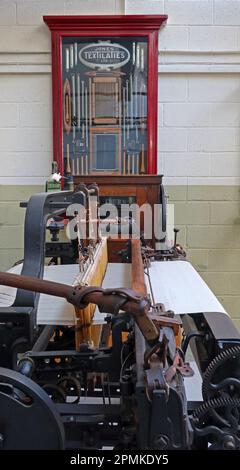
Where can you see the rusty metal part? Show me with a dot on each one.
(107, 299)
(162, 320)
(155, 379)
(161, 310)
(155, 359)
(178, 366)
(145, 323)
(159, 350)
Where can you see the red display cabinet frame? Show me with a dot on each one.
(146, 26)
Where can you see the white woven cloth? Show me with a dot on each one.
(176, 284)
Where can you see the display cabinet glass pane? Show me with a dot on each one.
(104, 102)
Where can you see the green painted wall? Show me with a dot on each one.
(209, 219)
(12, 222)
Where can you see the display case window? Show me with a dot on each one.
(104, 82)
(105, 75)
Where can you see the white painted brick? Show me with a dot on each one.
(172, 139)
(187, 114)
(214, 88)
(160, 163)
(35, 115)
(213, 139)
(172, 88)
(225, 164)
(225, 114)
(143, 7)
(90, 7)
(227, 12)
(186, 164)
(25, 39)
(189, 12)
(25, 88)
(7, 13)
(213, 38)
(173, 38)
(8, 115)
(25, 140)
(160, 114)
(25, 163)
(31, 12)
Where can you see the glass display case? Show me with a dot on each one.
(105, 105)
(105, 94)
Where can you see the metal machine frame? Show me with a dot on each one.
(137, 382)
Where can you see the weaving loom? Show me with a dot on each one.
(100, 353)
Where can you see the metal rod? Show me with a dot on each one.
(73, 167)
(134, 53)
(82, 172)
(73, 106)
(86, 115)
(116, 101)
(142, 165)
(142, 59)
(124, 117)
(137, 163)
(83, 131)
(71, 56)
(119, 100)
(90, 101)
(127, 107)
(141, 117)
(131, 99)
(138, 56)
(135, 304)
(67, 59)
(82, 83)
(68, 169)
(78, 166)
(78, 102)
(44, 338)
(136, 106)
(75, 53)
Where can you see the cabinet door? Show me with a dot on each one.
(105, 105)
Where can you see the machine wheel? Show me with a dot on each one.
(29, 419)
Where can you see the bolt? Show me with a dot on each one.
(1, 441)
